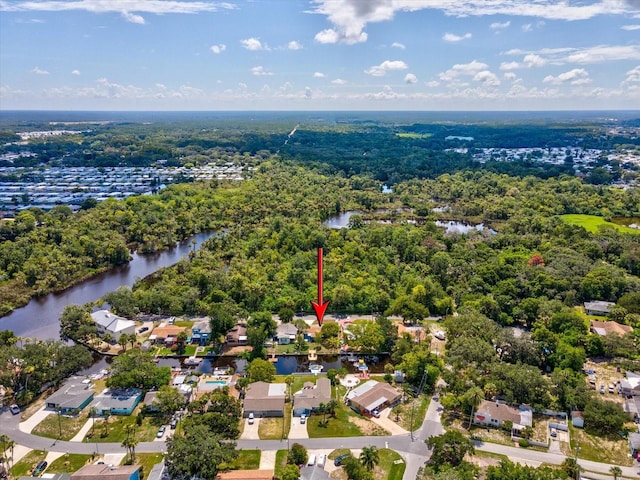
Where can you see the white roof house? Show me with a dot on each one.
(108, 322)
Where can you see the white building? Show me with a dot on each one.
(108, 322)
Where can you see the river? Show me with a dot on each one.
(40, 317)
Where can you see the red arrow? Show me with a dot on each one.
(320, 307)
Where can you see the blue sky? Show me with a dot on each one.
(319, 54)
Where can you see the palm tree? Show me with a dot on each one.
(92, 413)
(616, 472)
(130, 443)
(474, 396)
(289, 381)
(369, 457)
(331, 407)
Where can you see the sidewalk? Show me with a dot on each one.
(28, 425)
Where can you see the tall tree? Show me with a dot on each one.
(369, 457)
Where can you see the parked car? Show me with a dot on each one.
(321, 459)
(251, 419)
(14, 409)
(41, 467)
(303, 418)
(612, 389)
(173, 424)
(143, 329)
(312, 460)
(376, 413)
(554, 433)
(161, 431)
(341, 458)
(602, 389)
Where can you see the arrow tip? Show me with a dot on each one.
(320, 310)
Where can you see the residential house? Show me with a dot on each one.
(167, 335)
(237, 335)
(112, 324)
(71, 397)
(577, 419)
(286, 333)
(265, 399)
(495, 414)
(49, 476)
(632, 407)
(201, 331)
(117, 401)
(608, 328)
(149, 403)
(311, 396)
(246, 475)
(630, 386)
(107, 472)
(372, 396)
(599, 308)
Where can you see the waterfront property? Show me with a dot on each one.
(107, 472)
(201, 331)
(311, 396)
(373, 396)
(71, 397)
(117, 402)
(237, 335)
(265, 399)
(286, 333)
(166, 335)
(108, 322)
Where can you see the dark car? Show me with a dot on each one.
(143, 329)
(14, 409)
(41, 467)
(173, 424)
(338, 460)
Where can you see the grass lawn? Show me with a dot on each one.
(391, 466)
(340, 426)
(183, 323)
(591, 223)
(275, 428)
(413, 135)
(69, 463)
(28, 463)
(611, 449)
(337, 452)
(53, 424)
(247, 460)
(281, 462)
(298, 381)
(115, 431)
(404, 413)
(147, 461)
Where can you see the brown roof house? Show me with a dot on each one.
(166, 335)
(265, 399)
(607, 328)
(107, 472)
(495, 414)
(237, 335)
(372, 396)
(311, 396)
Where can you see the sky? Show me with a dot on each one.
(319, 55)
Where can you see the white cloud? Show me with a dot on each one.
(132, 18)
(432, 84)
(398, 45)
(487, 78)
(218, 49)
(350, 17)
(451, 37)
(410, 78)
(510, 76)
(633, 75)
(527, 27)
(577, 76)
(39, 71)
(509, 65)
(462, 69)
(75, 72)
(500, 26)
(253, 44)
(630, 27)
(339, 81)
(533, 60)
(294, 45)
(121, 6)
(318, 75)
(386, 66)
(259, 71)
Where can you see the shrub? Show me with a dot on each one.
(523, 442)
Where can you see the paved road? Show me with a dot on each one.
(411, 447)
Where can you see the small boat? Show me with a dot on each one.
(193, 360)
(315, 368)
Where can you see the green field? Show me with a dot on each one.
(591, 223)
(413, 135)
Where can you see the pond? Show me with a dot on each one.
(632, 222)
(453, 227)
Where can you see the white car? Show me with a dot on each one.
(303, 418)
(251, 419)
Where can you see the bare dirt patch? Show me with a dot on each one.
(368, 428)
(606, 375)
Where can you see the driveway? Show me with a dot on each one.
(388, 424)
(250, 432)
(297, 429)
(29, 424)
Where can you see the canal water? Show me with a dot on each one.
(40, 317)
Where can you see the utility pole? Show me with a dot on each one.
(413, 402)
